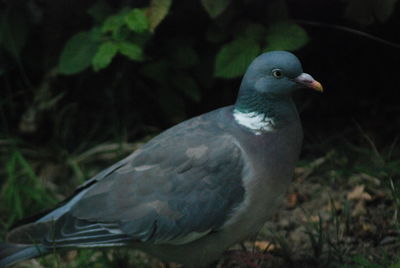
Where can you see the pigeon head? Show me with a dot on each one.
(277, 73)
(264, 100)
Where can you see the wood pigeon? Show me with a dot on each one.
(194, 190)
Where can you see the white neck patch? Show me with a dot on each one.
(256, 122)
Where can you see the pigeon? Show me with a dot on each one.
(194, 190)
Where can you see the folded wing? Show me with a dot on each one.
(177, 188)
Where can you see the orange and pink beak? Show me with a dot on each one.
(307, 80)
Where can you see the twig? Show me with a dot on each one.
(349, 30)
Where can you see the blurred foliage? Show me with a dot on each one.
(23, 190)
(152, 65)
(137, 64)
(69, 68)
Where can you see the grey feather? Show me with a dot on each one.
(11, 254)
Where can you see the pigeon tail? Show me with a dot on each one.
(11, 254)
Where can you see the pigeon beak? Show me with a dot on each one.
(308, 81)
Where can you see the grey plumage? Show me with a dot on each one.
(189, 193)
(10, 254)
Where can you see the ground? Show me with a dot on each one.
(340, 211)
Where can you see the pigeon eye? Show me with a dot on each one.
(277, 73)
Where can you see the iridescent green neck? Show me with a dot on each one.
(279, 109)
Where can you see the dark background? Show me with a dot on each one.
(360, 74)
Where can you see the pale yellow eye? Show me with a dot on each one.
(277, 73)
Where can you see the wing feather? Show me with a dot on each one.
(180, 186)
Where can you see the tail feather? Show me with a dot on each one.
(11, 254)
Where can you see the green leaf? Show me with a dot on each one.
(113, 23)
(139, 39)
(233, 58)
(122, 34)
(78, 53)
(96, 34)
(215, 8)
(13, 31)
(23, 187)
(137, 21)
(254, 31)
(188, 86)
(104, 55)
(131, 50)
(157, 11)
(285, 36)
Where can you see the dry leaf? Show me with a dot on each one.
(314, 218)
(367, 227)
(157, 11)
(307, 171)
(71, 255)
(359, 209)
(333, 206)
(358, 193)
(264, 245)
(370, 178)
(300, 170)
(292, 200)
